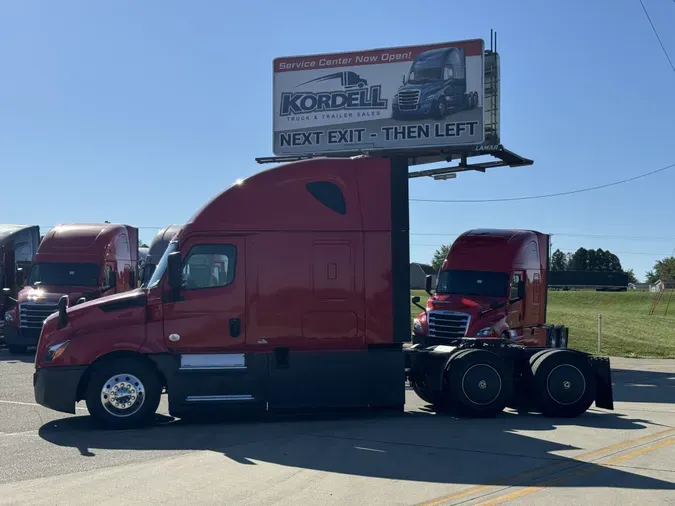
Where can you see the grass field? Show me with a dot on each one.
(627, 328)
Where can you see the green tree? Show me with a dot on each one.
(558, 261)
(663, 270)
(594, 260)
(632, 278)
(439, 257)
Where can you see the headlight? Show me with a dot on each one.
(484, 332)
(55, 351)
(430, 98)
(417, 327)
(8, 317)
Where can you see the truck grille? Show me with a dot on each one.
(408, 100)
(447, 324)
(33, 314)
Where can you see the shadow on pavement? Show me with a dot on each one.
(643, 386)
(415, 446)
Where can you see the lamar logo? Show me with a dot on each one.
(356, 94)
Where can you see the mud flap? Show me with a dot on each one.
(604, 397)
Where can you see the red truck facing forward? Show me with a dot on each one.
(82, 261)
(493, 283)
(289, 290)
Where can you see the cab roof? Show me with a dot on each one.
(8, 231)
(331, 194)
(85, 237)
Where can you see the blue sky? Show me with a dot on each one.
(139, 112)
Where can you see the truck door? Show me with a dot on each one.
(209, 318)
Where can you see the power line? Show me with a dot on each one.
(554, 234)
(559, 194)
(657, 35)
(663, 255)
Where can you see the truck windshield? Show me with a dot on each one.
(162, 264)
(480, 283)
(422, 75)
(65, 274)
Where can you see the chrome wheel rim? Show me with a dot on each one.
(122, 395)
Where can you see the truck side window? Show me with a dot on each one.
(329, 194)
(199, 267)
(513, 292)
(109, 277)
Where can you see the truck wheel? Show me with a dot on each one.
(123, 394)
(17, 349)
(563, 383)
(479, 383)
(441, 108)
(423, 392)
(474, 99)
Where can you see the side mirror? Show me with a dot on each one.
(427, 284)
(174, 268)
(63, 316)
(521, 289)
(403, 79)
(416, 302)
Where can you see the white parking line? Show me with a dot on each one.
(32, 404)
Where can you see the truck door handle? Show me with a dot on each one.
(235, 327)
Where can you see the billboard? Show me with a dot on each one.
(398, 98)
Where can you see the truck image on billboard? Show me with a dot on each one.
(384, 99)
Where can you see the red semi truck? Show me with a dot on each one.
(289, 291)
(81, 261)
(493, 283)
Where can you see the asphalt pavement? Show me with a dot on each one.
(622, 457)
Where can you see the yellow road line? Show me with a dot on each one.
(480, 488)
(586, 470)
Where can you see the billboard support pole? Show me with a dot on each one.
(400, 247)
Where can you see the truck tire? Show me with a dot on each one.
(441, 109)
(479, 383)
(429, 396)
(563, 383)
(17, 349)
(123, 393)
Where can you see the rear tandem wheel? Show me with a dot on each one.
(562, 383)
(479, 383)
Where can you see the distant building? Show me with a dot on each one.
(418, 274)
(660, 286)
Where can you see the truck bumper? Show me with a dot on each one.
(21, 337)
(56, 387)
(421, 111)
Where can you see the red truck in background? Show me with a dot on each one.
(81, 261)
(157, 247)
(290, 291)
(493, 283)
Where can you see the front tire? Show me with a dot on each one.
(123, 394)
